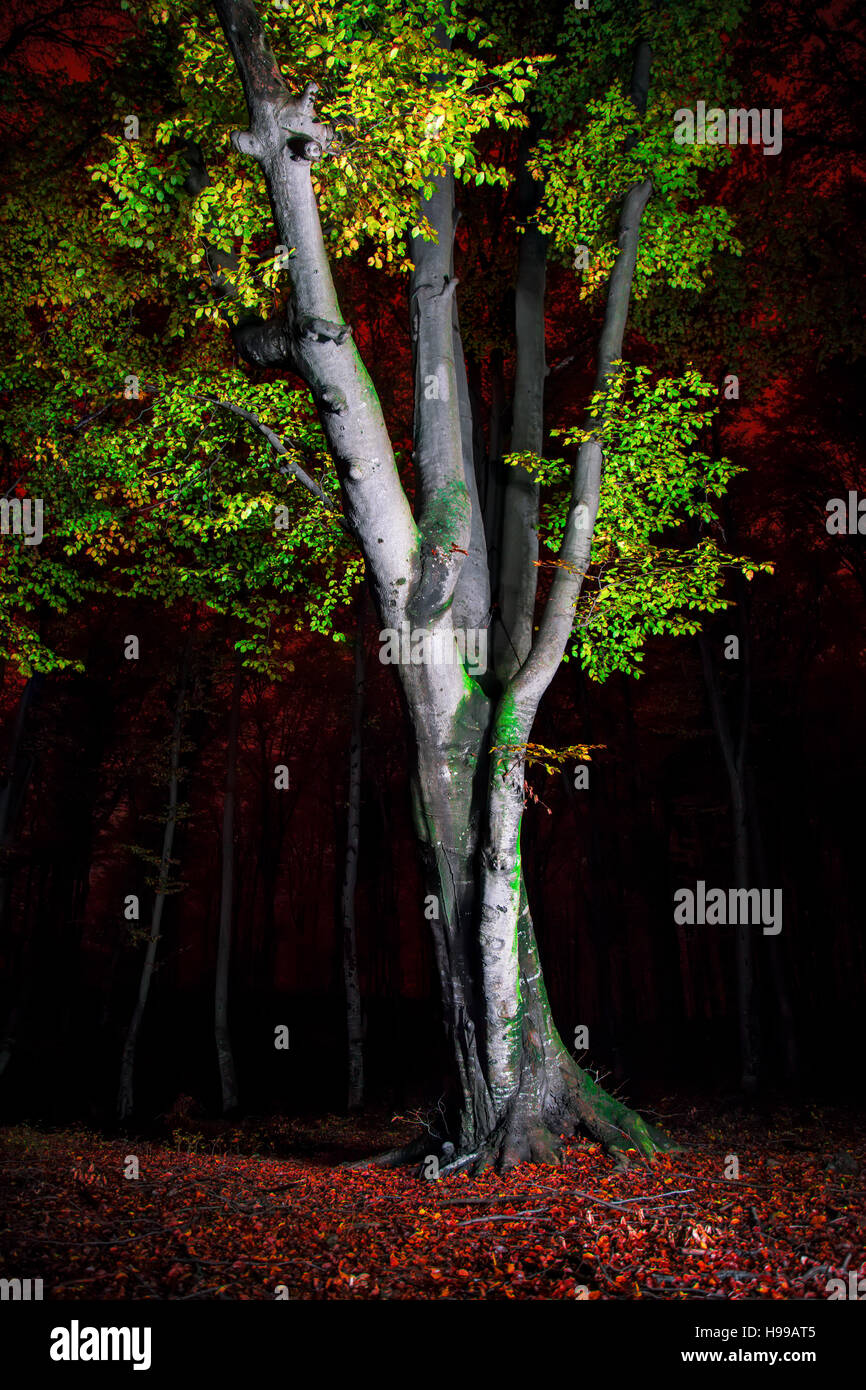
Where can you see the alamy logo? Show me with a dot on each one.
(22, 516)
(76, 1343)
(847, 516)
(856, 1287)
(729, 907)
(21, 1290)
(735, 127)
(423, 648)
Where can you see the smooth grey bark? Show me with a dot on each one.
(450, 718)
(351, 981)
(515, 1006)
(538, 670)
(444, 503)
(454, 572)
(492, 481)
(518, 568)
(284, 138)
(222, 1035)
(125, 1095)
(471, 607)
(518, 1088)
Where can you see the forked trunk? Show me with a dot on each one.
(520, 1091)
(430, 571)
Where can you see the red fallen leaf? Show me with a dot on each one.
(589, 1231)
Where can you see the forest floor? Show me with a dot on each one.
(263, 1211)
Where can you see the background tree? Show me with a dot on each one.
(222, 1035)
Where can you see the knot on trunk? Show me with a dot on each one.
(264, 342)
(330, 399)
(247, 142)
(289, 124)
(303, 147)
(427, 294)
(314, 330)
(307, 137)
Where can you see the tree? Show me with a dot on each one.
(222, 1036)
(19, 769)
(519, 1087)
(125, 1095)
(351, 981)
(412, 102)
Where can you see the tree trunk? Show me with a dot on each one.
(19, 770)
(518, 570)
(225, 1056)
(20, 763)
(354, 1018)
(734, 756)
(125, 1096)
(790, 1051)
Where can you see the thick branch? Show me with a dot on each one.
(471, 606)
(284, 137)
(443, 508)
(519, 571)
(557, 620)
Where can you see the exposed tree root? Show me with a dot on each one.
(395, 1158)
(548, 1108)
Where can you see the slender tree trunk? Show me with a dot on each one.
(734, 753)
(518, 572)
(354, 1016)
(10, 792)
(491, 482)
(125, 1097)
(19, 770)
(790, 1051)
(225, 1056)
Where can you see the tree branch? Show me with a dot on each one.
(519, 549)
(557, 621)
(293, 470)
(444, 506)
(285, 138)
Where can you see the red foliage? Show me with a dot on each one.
(207, 1226)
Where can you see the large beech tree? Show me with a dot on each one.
(438, 569)
(367, 122)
